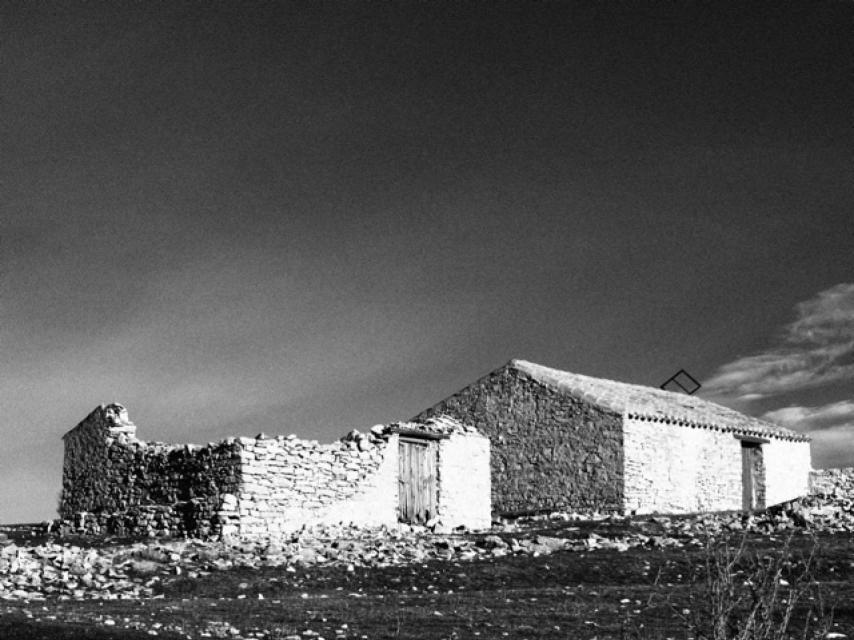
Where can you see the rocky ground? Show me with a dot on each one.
(37, 567)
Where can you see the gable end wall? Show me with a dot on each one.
(549, 450)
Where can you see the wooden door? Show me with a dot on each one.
(747, 501)
(752, 476)
(417, 490)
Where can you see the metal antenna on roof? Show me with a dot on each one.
(681, 381)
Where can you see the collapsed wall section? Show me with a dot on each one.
(113, 482)
(832, 482)
(287, 483)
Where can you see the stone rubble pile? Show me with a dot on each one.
(64, 570)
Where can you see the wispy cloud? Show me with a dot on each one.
(810, 419)
(831, 427)
(817, 348)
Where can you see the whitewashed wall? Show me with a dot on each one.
(787, 470)
(671, 468)
(464, 481)
(287, 483)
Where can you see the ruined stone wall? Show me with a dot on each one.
(670, 468)
(287, 483)
(254, 487)
(113, 482)
(464, 481)
(787, 470)
(832, 482)
(549, 450)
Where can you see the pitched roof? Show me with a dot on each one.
(657, 405)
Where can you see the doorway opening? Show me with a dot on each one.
(752, 475)
(418, 489)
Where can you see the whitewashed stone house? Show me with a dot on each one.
(435, 470)
(566, 441)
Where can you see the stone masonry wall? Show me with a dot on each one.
(464, 481)
(671, 468)
(787, 470)
(113, 482)
(549, 450)
(256, 487)
(832, 482)
(287, 483)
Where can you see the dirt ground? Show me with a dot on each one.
(639, 593)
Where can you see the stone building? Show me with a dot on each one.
(567, 441)
(419, 472)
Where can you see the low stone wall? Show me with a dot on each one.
(832, 482)
(287, 483)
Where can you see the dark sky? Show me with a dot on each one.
(313, 217)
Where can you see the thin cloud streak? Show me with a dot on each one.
(817, 348)
(811, 419)
(831, 427)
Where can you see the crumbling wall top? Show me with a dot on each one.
(110, 419)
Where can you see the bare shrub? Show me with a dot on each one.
(748, 595)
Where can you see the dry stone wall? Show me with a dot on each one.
(256, 487)
(113, 482)
(287, 483)
(549, 451)
(837, 483)
(116, 483)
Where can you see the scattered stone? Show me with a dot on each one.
(53, 568)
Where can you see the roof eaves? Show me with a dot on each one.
(770, 431)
